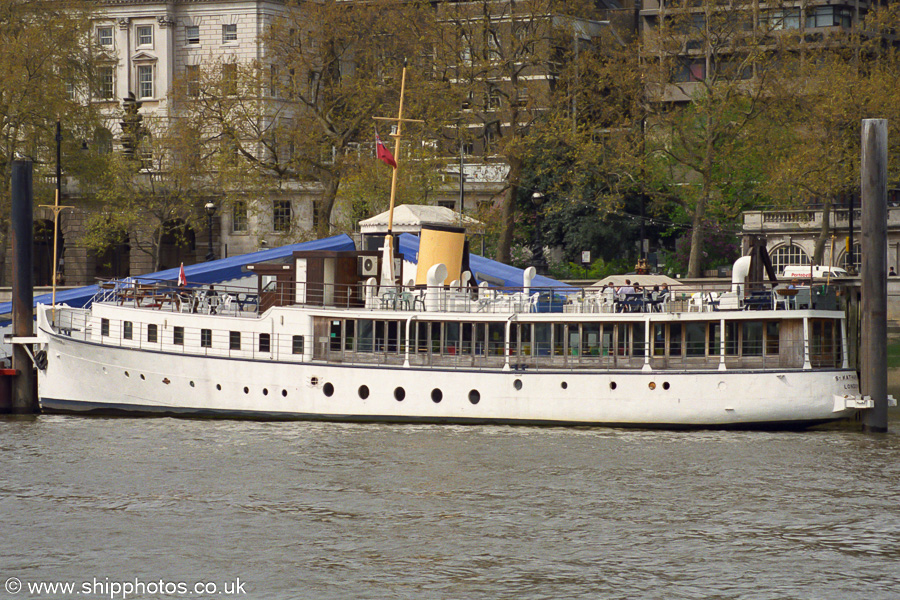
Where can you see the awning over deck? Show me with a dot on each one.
(215, 271)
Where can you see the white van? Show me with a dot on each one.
(803, 271)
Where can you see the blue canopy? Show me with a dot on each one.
(214, 271)
(483, 269)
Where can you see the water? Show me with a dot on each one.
(311, 510)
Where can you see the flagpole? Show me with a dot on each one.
(396, 155)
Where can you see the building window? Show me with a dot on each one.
(104, 327)
(234, 340)
(451, 204)
(192, 35)
(281, 211)
(229, 33)
(297, 344)
(127, 330)
(264, 342)
(239, 216)
(107, 83)
(192, 75)
(853, 259)
(788, 255)
(105, 36)
(145, 35)
(781, 19)
(229, 79)
(273, 81)
(178, 336)
(829, 16)
(206, 338)
(152, 333)
(145, 81)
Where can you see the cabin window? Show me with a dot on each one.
(675, 339)
(465, 346)
(590, 339)
(731, 338)
(825, 343)
(695, 339)
(152, 332)
(751, 338)
(297, 344)
(639, 344)
(365, 341)
(451, 338)
(265, 342)
(349, 328)
(127, 330)
(496, 337)
(772, 337)
(178, 336)
(334, 336)
(715, 339)
(524, 339)
(543, 339)
(234, 340)
(206, 338)
(574, 340)
(104, 327)
(380, 336)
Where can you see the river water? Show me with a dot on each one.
(134, 508)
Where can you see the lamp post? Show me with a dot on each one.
(537, 246)
(210, 211)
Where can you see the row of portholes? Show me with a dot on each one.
(651, 385)
(265, 391)
(400, 394)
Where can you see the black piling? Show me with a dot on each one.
(24, 399)
(873, 272)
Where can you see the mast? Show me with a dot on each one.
(387, 269)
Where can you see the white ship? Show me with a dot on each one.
(328, 337)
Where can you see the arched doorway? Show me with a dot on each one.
(178, 244)
(115, 261)
(42, 251)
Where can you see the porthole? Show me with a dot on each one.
(652, 385)
(436, 395)
(328, 389)
(284, 393)
(612, 385)
(126, 374)
(517, 384)
(219, 386)
(564, 385)
(314, 381)
(363, 391)
(665, 385)
(192, 384)
(265, 392)
(474, 396)
(399, 394)
(142, 377)
(246, 390)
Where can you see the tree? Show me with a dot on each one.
(301, 118)
(150, 196)
(710, 70)
(847, 77)
(502, 57)
(45, 70)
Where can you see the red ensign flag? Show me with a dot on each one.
(383, 154)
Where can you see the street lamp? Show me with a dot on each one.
(537, 246)
(210, 211)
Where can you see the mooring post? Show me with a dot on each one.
(873, 272)
(23, 392)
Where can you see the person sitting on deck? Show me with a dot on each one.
(626, 289)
